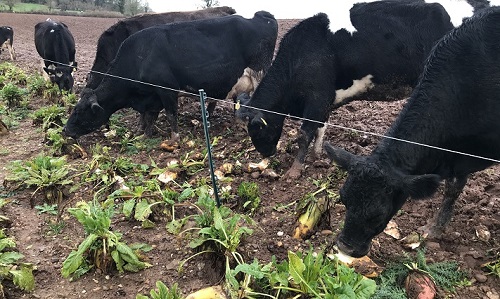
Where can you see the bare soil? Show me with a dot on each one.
(478, 206)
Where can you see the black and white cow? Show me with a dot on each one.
(316, 70)
(7, 39)
(455, 106)
(56, 45)
(111, 39)
(208, 54)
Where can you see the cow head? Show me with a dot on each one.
(264, 128)
(87, 116)
(61, 75)
(373, 194)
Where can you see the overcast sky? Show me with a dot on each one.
(300, 9)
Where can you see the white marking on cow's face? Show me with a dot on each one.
(52, 30)
(59, 74)
(51, 67)
(8, 28)
(358, 86)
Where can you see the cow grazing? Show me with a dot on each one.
(7, 39)
(56, 45)
(455, 106)
(111, 39)
(392, 40)
(186, 55)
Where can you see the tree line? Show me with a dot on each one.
(126, 7)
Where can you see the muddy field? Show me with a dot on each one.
(477, 208)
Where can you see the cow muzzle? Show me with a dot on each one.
(356, 251)
(68, 133)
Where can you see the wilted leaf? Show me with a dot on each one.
(258, 166)
(392, 230)
(10, 257)
(142, 210)
(75, 258)
(128, 207)
(296, 267)
(483, 233)
(24, 278)
(167, 176)
(118, 260)
(412, 241)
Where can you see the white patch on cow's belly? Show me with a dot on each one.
(358, 87)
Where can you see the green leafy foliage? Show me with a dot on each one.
(102, 248)
(493, 267)
(447, 275)
(103, 170)
(13, 96)
(225, 233)
(319, 277)
(249, 195)
(21, 274)
(13, 74)
(46, 174)
(303, 275)
(138, 203)
(162, 292)
(52, 93)
(50, 117)
(69, 99)
(36, 84)
(55, 140)
(46, 208)
(219, 230)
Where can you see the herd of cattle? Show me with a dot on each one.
(453, 72)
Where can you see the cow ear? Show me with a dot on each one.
(244, 113)
(421, 186)
(94, 105)
(340, 156)
(96, 108)
(259, 120)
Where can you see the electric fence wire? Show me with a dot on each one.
(287, 115)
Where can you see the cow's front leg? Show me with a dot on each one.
(172, 118)
(305, 137)
(11, 51)
(452, 190)
(211, 107)
(148, 119)
(318, 142)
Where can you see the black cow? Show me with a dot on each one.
(7, 39)
(209, 54)
(314, 66)
(111, 39)
(455, 106)
(56, 45)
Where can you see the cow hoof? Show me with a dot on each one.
(431, 231)
(293, 173)
(174, 137)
